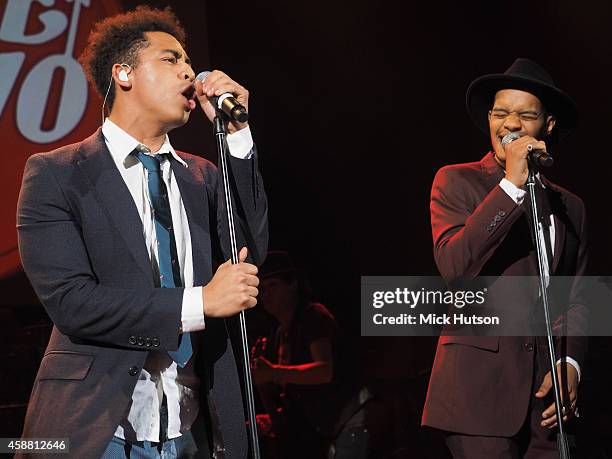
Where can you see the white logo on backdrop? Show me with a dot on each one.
(34, 91)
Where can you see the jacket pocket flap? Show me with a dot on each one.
(488, 343)
(65, 365)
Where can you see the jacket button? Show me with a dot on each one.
(497, 218)
(155, 342)
(501, 213)
(133, 371)
(148, 342)
(132, 340)
(529, 347)
(140, 340)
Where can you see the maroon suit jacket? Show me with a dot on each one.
(481, 385)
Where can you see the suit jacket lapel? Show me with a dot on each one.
(560, 230)
(493, 170)
(112, 192)
(191, 185)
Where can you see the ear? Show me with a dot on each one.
(117, 69)
(550, 124)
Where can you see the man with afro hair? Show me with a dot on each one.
(125, 242)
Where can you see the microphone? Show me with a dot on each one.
(538, 157)
(227, 103)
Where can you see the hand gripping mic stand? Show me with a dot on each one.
(219, 128)
(562, 443)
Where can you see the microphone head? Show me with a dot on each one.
(510, 138)
(202, 75)
(226, 102)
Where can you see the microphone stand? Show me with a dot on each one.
(220, 133)
(562, 443)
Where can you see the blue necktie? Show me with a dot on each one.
(169, 269)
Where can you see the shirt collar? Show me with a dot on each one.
(123, 143)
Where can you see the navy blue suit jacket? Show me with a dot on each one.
(82, 247)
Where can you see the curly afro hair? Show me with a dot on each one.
(118, 39)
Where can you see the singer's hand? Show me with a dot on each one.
(232, 289)
(517, 167)
(568, 384)
(218, 83)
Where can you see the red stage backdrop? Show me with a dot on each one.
(45, 100)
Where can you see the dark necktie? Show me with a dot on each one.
(169, 269)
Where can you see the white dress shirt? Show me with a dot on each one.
(518, 196)
(160, 374)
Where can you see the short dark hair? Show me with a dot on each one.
(118, 39)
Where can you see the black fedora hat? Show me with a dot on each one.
(277, 263)
(524, 75)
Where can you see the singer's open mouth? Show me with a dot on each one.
(189, 95)
(189, 91)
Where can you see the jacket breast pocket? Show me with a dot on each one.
(487, 343)
(65, 365)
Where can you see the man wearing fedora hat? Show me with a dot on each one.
(492, 395)
(298, 363)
